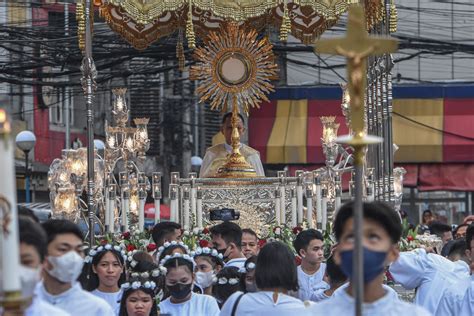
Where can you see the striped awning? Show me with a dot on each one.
(431, 124)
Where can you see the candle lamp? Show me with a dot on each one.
(156, 184)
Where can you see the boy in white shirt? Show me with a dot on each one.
(309, 245)
(62, 267)
(381, 231)
(458, 299)
(227, 240)
(430, 274)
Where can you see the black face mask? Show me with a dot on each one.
(179, 290)
(222, 251)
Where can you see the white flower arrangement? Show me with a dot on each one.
(249, 267)
(108, 247)
(173, 243)
(175, 256)
(206, 251)
(231, 281)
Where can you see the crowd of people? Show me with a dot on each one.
(234, 274)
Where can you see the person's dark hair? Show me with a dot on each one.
(458, 248)
(458, 227)
(438, 228)
(376, 211)
(162, 230)
(54, 227)
(223, 291)
(213, 261)
(230, 232)
(178, 262)
(31, 233)
(91, 281)
(250, 232)
(335, 274)
(144, 261)
(424, 213)
(304, 238)
(276, 268)
(252, 259)
(229, 115)
(129, 291)
(25, 211)
(169, 251)
(469, 234)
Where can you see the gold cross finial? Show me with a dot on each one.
(356, 47)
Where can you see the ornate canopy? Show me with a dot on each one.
(142, 22)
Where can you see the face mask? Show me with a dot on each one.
(251, 287)
(179, 290)
(373, 263)
(29, 277)
(66, 268)
(204, 279)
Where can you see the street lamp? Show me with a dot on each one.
(26, 142)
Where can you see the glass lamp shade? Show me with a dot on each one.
(25, 140)
(398, 175)
(330, 128)
(65, 201)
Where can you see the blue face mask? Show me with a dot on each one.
(373, 263)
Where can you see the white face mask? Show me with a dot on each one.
(204, 279)
(29, 277)
(66, 268)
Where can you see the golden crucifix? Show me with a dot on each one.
(356, 47)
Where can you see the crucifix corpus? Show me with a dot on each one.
(356, 47)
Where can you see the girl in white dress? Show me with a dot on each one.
(105, 273)
(138, 298)
(179, 281)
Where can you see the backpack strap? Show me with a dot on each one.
(234, 308)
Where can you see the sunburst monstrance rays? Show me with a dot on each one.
(234, 66)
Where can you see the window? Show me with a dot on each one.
(62, 101)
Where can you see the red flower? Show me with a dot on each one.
(130, 247)
(297, 260)
(203, 243)
(126, 235)
(151, 247)
(103, 242)
(262, 243)
(410, 238)
(205, 231)
(297, 230)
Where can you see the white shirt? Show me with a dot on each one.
(429, 273)
(310, 283)
(76, 301)
(342, 289)
(237, 262)
(41, 308)
(458, 299)
(319, 295)
(261, 303)
(388, 305)
(198, 305)
(113, 299)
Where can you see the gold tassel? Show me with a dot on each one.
(81, 26)
(285, 27)
(190, 28)
(180, 52)
(393, 17)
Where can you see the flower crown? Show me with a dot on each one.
(175, 256)
(249, 267)
(132, 262)
(154, 273)
(223, 281)
(107, 247)
(206, 251)
(173, 243)
(139, 284)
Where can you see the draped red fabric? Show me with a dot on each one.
(446, 177)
